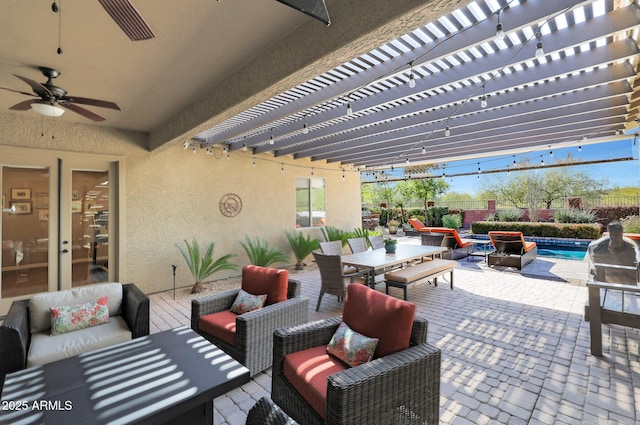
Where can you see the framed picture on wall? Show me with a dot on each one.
(20, 194)
(43, 215)
(23, 207)
(76, 206)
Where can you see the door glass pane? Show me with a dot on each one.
(25, 231)
(89, 227)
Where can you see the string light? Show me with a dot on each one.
(349, 109)
(539, 50)
(499, 30)
(412, 80)
(550, 151)
(579, 148)
(305, 128)
(193, 149)
(483, 99)
(244, 147)
(447, 132)
(271, 140)
(254, 162)
(186, 145)
(424, 150)
(282, 167)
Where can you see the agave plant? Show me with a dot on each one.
(260, 254)
(203, 266)
(301, 246)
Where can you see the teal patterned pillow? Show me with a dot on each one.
(75, 317)
(351, 347)
(247, 302)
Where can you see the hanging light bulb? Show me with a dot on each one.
(208, 151)
(194, 150)
(282, 167)
(224, 150)
(254, 161)
(539, 50)
(312, 171)
(424, 150)
(447, 132)
(305, 129)
(580, 148)
(499, 30)
(479, 171)
(483, 99)
(349, 109)
(244, 147)
(542, 162)
(271, 140)
(412, 80)
(550, 151)
(343, 177)
(186, 145)
(407, 161)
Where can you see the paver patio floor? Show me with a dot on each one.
(515, 348)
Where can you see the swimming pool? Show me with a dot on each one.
(567, 249)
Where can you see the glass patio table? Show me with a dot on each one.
(377, 260)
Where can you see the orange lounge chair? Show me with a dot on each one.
(511, 250)
(445, 237)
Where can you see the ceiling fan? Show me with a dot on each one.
(48, 96)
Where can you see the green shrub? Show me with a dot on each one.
(302, 246)
(434, 215)
(260, 254)
(509, 214)
(631, 224)
(452, 221)
(331, 233)
(202, 266)
(574, 215)
(548, 230)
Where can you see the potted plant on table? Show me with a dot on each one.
(390, 245)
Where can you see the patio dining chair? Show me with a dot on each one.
(331, 247)
(357, 244)
(333, 279)
(376, 241)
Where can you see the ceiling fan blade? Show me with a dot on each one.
(25, 105)
(128, 18)
(81, 111)
(36, 86)
(17, 91)
(91, 102)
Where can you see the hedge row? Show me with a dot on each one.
(548, 230)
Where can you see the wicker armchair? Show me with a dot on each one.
(265, 412)
(253, 345)
(15, 332)
(399, 388)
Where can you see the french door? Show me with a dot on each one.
(59, 223)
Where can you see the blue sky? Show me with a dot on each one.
(621, 173)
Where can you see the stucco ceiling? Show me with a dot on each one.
(234, 73)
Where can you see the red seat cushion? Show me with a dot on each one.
(258, 280)
(221, 325)
(381, 316)
(307, 371)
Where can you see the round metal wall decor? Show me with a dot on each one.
(230, 205)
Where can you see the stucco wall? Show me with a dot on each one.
(172, 194)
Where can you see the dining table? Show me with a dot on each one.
(378, 260)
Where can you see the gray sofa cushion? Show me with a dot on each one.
(39, 305)
(45, 348)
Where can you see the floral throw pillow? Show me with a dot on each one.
(351, 347)
(247, 302)
(75, 317)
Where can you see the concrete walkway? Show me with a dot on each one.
(515, 348)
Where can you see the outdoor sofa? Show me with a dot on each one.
(26, 338)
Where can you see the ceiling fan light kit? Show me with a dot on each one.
(47, 109)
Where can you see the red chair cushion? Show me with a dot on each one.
(221, 325)
(307, 371)
(381, 316)
(258, 280)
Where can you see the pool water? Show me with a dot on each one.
(564, 252)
